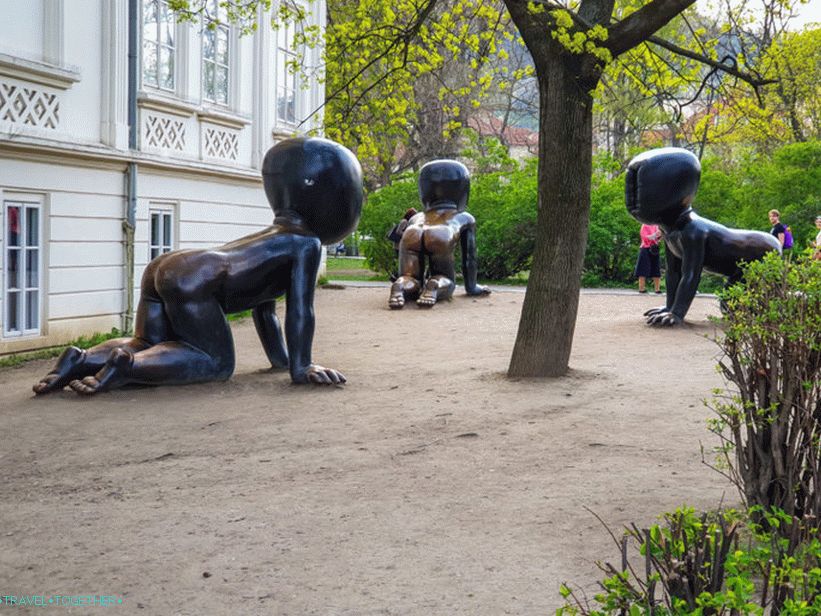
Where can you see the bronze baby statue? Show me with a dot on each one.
(181, 334)
(660, 186)
(444, 186)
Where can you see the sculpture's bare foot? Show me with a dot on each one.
(112, 375)
(320, 375)
(480, 289)
(63, 373)
(429, 296)
(396, 300)
(663, 319)
(654, 311)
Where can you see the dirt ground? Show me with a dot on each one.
(428, 485)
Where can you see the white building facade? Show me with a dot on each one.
(86, 203)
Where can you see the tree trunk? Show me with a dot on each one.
(548, 318)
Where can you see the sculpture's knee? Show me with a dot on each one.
(223, 368)
(120, 359)
(72, 355)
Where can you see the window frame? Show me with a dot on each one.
(230, 49)
(159, 45)
(283, 56)
(163, 210)
(25, 202)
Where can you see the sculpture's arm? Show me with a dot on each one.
(270, 335)
(299, 316)
(470, 265)
(671, 279)
(691, 265)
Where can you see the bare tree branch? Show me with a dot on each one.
(638, 26)
(729, 69)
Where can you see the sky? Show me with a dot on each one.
(808, 13)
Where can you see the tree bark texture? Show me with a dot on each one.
(548, 319)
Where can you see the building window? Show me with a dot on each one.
(162, 232)
(286, 78)
(21, 289)
(215, 54)
(159, 48)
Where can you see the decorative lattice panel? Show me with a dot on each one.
(164, 133)
(28, 106)
(221, 144)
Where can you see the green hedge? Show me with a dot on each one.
(737, 193)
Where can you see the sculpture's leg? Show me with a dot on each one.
(441, 283)
(203, 351)
(75, 363)
(411, 268)
(436, 288)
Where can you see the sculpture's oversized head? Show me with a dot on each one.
(660, 184)
(444, 183)
(318, 179)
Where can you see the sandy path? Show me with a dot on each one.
(430, 484)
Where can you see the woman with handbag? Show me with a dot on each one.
(648, 265)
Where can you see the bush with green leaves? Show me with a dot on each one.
(383, 209)
(505, 207)
(503, 203)
(766, 561)
(613, 236)
(721, 563)
(740, 192)
(768, 418)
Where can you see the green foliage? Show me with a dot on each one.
(505, 207)
(768, 420)
(740, 193)
(720, 563)
(613, 236)
(786, 110)
(383, 209)
(83, 342)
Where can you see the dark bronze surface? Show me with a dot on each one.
(181, 334)
(660, 186)
(431, 236)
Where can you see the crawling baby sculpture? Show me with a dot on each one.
(181, 334)
(660, 186)
(444, 186)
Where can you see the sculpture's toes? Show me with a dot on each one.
(50, 382)
(87, 386)
(426, 300)
(396, 301)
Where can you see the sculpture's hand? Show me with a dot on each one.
(653, 311)
(479, 289)
(663, 318)
(315, 373)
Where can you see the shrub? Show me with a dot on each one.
(613, 236)
(383, 209)
(768, 423)
(505, 207)
(709, 564)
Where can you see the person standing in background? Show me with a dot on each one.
(647, 265)
(817, 242)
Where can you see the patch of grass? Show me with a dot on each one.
(367, 276)
(346, 263)
(238, 316)
(83, 342)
